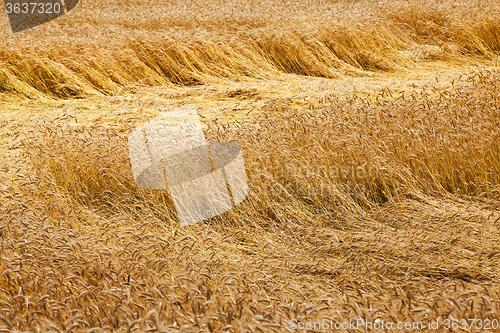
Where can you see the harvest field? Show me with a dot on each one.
(371, 138)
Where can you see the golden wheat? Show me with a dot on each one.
(380, 206)
(84, 248)
(100, 47)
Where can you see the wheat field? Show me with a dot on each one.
(371, 138)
